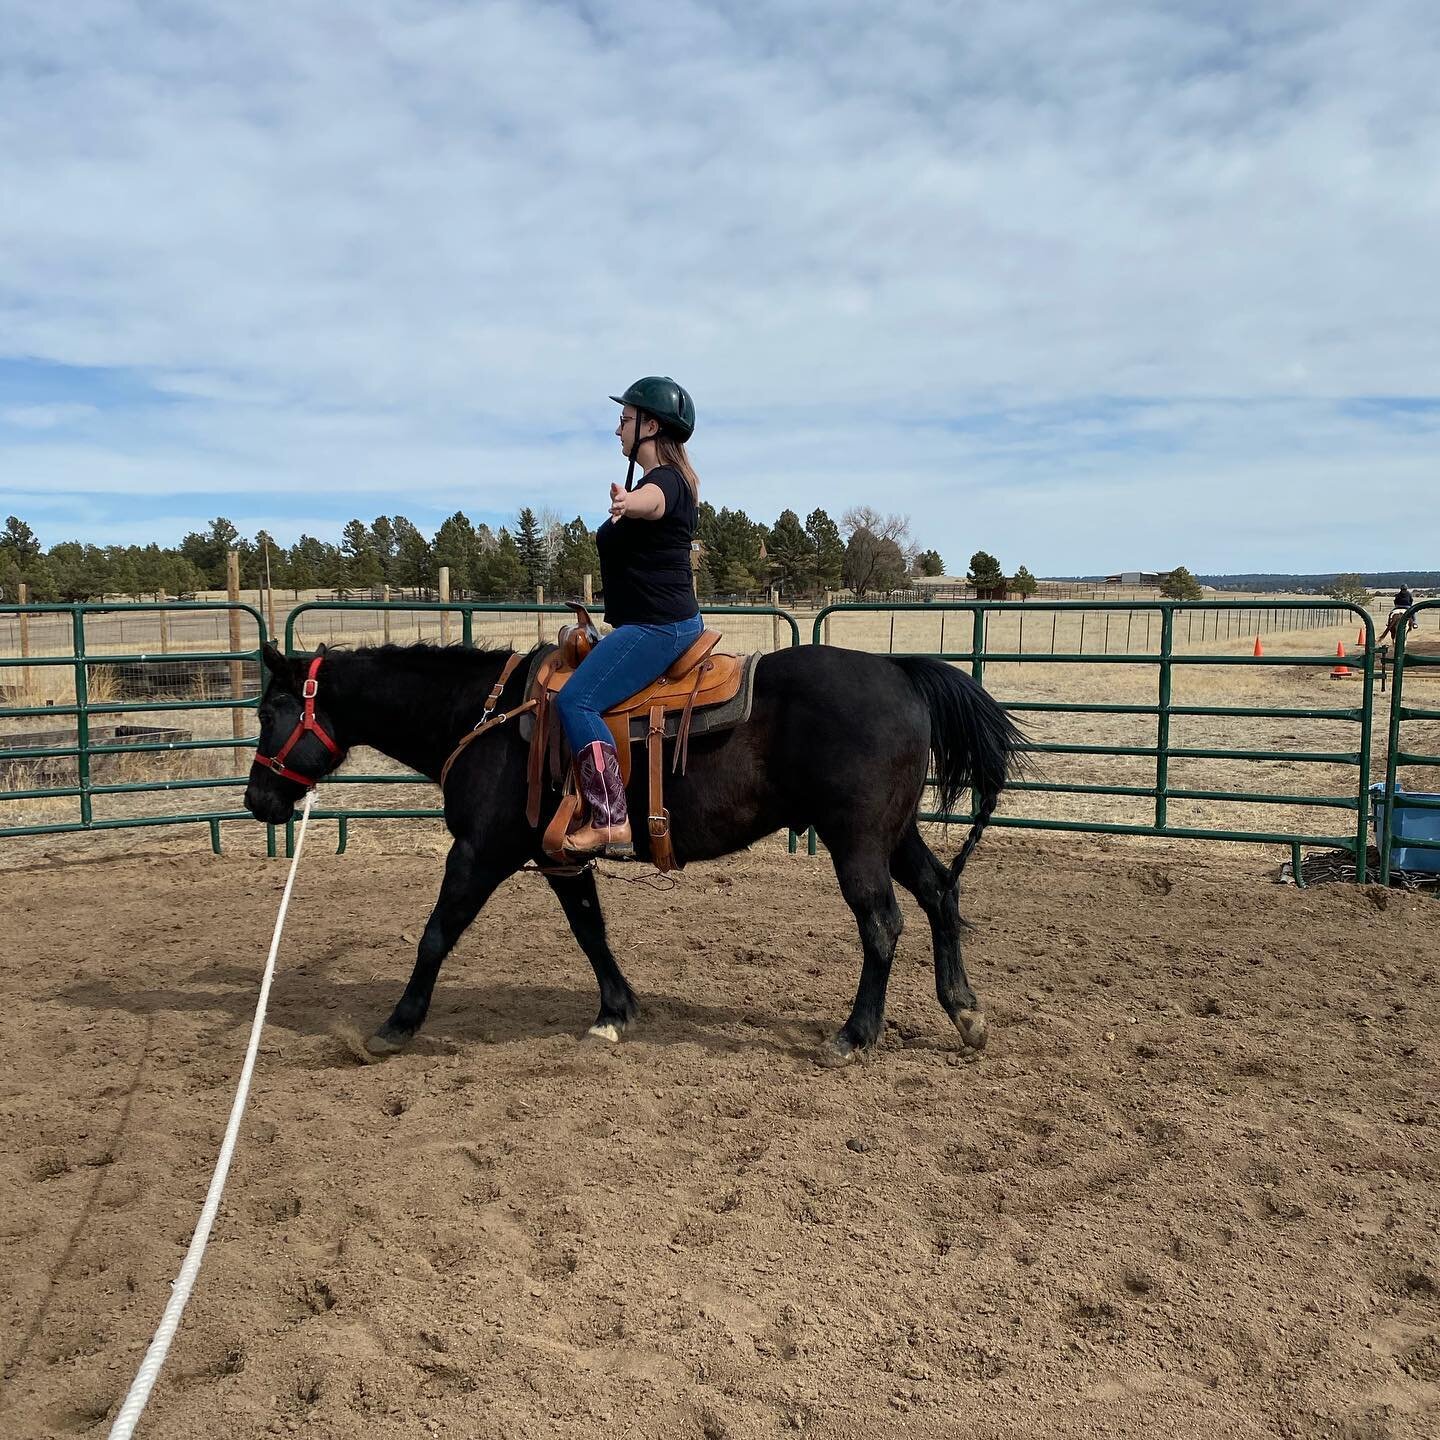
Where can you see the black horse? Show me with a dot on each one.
(837, 739)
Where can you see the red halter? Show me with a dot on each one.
(306, 724)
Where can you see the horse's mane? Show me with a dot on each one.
(426, 655)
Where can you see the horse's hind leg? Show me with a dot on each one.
(914, 865)
(470, 880)
(581, 902)
(865, 883)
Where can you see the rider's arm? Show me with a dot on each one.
(645, 502)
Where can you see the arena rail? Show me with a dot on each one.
(1314, 614)
(85, 749)
(1404, 664)
(1165, 622)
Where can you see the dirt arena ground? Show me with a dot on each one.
(1191, 1189)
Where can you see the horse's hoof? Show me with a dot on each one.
(386, 1041)
(608, 1030)
(973, 1027)
(837, 1052)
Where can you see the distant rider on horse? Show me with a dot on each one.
(1403, 601)
(648, 588)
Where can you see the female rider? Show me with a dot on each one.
(648, 588)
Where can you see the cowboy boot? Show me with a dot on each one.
(607, 824)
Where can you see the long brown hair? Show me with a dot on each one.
(670, 451)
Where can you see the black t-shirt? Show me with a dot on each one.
(645, 573)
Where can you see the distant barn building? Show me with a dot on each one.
(1134, 577)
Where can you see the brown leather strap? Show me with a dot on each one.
(682, 730)
(507, 670)
(489, 720)
(662, 852)
(534, 770)
(477, 732)
(553, 843)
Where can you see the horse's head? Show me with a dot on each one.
(298, 741)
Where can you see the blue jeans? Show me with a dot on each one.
(626, 660)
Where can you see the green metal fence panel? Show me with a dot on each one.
(84, 660)
(1308, 614)
(1162, 622)
(1407, 664)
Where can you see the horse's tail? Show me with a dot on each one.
(975, 742)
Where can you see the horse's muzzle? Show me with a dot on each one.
(268, 807)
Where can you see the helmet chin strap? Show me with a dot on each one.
(635, 449)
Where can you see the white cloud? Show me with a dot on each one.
(934, 249)
(43, 417)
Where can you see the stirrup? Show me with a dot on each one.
(609, 850)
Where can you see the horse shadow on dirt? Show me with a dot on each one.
(314, 1005)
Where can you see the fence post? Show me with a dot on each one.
(82, 708)
(22, 594)
(444, 600)
(587, 588)
(826, 600)
(1162, 718)
(539, 615)
(385, 621)
(237, 668)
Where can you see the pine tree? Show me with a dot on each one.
(829, 549)
(506, 575)
(985, 572)
(383, 541)
(791, 553)
(1180, 584)
(207, 551)
(413, 564)
(18, 542)
(531, 543)
(455, 547)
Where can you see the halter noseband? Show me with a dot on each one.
(307, 724)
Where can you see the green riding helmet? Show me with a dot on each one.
(669, 403)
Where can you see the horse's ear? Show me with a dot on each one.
(274, 658)
(321, 649)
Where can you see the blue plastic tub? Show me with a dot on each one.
(1412, 822)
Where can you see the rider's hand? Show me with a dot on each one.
(619, 500)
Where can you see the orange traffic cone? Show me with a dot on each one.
(1360, 638)
(1341, 671)
(1259, 648)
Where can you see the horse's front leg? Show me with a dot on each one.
(580, 900)
(470, 880)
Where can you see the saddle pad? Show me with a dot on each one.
(711, 719)
(705, 720)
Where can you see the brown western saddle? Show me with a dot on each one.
(700, 679)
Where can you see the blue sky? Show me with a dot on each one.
(1087, 284)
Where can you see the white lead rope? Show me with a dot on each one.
(144, 1382)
